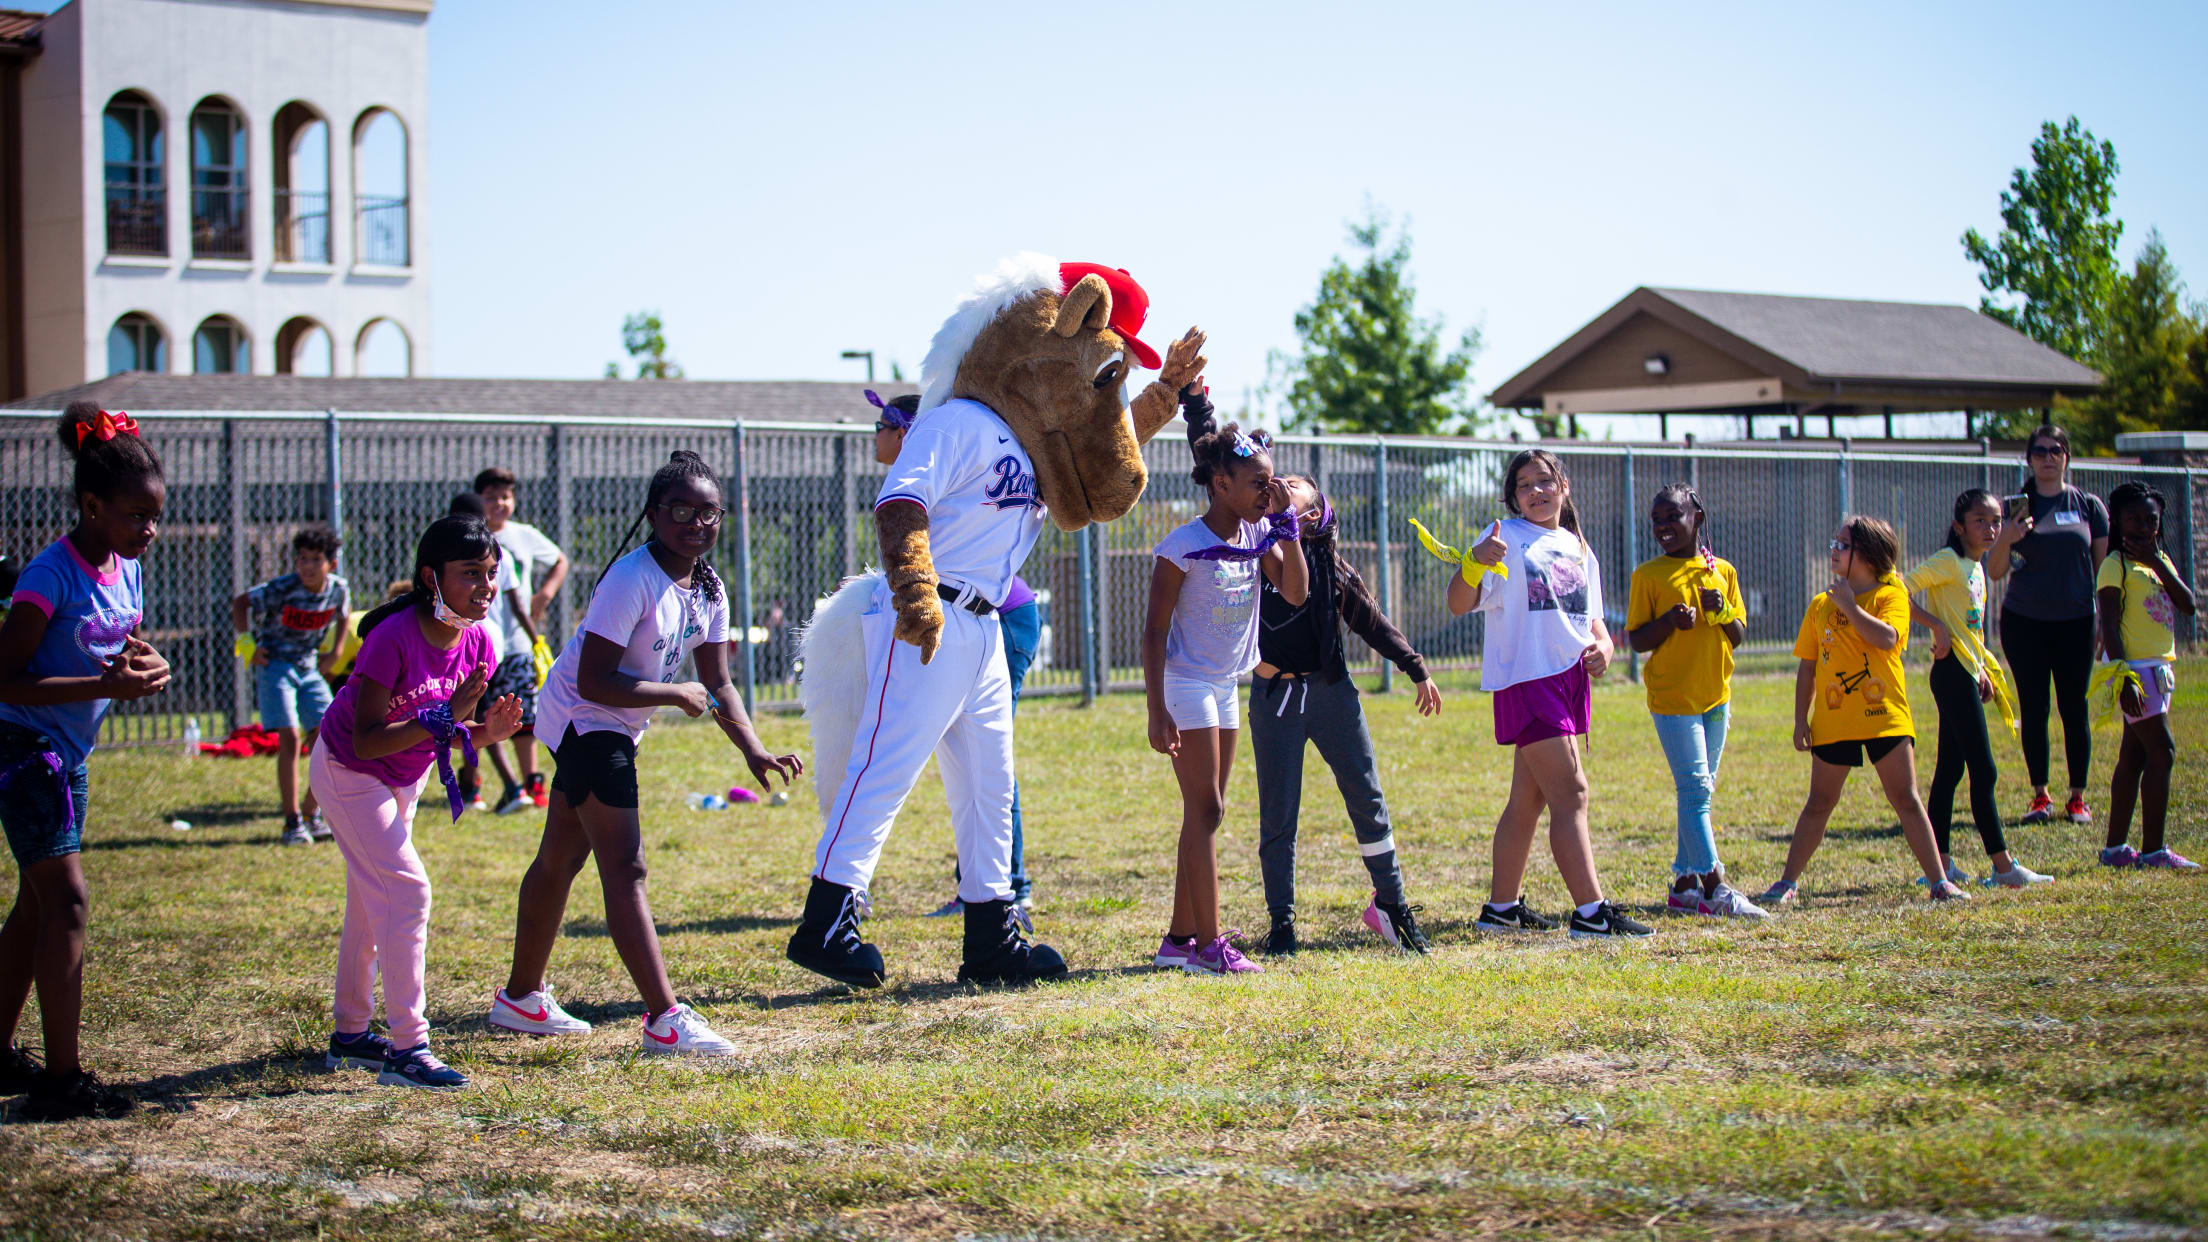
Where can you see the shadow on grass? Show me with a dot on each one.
(174, 841)
(1886, 833)
(730, 924)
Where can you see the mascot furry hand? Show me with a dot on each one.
(1049, 346)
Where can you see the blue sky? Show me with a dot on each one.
(786, 182)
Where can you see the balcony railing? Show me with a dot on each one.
(383, 233)
(303, 226)
(220, 228)
(137, 220)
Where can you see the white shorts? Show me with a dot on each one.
(1199, 703)
(2157, 683)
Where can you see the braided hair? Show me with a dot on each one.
(683, 466)
(104, 467)
(1684, 496)
(453, 537)
(2127, 494)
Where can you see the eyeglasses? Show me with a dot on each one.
(885, 425)
(684, 515)
(1839, 546)
(2045, 450)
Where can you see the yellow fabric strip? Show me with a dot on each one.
(1468, 566)
(2109, 679)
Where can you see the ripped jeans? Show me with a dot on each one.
(1693, 745)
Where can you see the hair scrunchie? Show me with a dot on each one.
(437, 719)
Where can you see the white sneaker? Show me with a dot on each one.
(1955, 875)
(2017, 876)
(534, 1014)
(1729, 902)
(681, 1030)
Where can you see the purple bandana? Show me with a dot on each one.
(437, 718)
(890, 414)
(1279, 526)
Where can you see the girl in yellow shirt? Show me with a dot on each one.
(1950, 589)
(1684, 613)
(1850, 700)
(2141, 596)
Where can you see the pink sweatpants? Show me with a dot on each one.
(386, 899)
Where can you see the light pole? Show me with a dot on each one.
(867, 354)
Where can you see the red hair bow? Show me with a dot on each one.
(106, 425)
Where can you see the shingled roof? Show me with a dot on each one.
(18, 30)
(808, 401)
(1818, 348)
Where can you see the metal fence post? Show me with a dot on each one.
(1847, 485)
(1625, 546)
(847, 486)
(233, 461)
(2192, 620)
(337, 496)
(1380, 527)
(741, 605)
(1084, 545)
(560, 473)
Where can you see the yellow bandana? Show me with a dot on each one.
(1470, 568)
(2109, 679)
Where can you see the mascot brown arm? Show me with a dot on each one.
(1160, 400)
(903, 525)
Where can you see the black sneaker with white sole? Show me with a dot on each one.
(1519, 918)
(1607, 923)
(1281, 941)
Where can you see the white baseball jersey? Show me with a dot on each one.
(964, 465)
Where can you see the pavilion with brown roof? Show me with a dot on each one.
(1692, 351)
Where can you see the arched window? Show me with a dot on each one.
(137, 174)
(380, 190)
(383, 351)
(220, 348)
(219, 219)
(302, 170)
(135, 343)
(303, 348)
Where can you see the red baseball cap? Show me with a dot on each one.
(1130, 305)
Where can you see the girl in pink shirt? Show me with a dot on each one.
(420, 674)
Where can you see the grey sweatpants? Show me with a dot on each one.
(1284, 714)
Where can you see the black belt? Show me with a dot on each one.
(977, 605)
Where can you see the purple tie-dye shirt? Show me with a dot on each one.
(89, 612)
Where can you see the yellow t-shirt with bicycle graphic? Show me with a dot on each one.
(1861, 693)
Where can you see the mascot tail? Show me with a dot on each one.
(832, 686)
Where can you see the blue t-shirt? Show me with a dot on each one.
(290, 621)
(89, 612)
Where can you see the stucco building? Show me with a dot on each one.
(213, 187)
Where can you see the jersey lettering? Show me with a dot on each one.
(1014, 487)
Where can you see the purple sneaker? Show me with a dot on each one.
(2167, 860)
(2120, 856)
(1221, 958)
(1173, 956)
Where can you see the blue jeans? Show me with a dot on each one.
(1023, 635)
(292, 694)
(1693, 745)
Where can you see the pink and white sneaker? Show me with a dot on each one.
(1221, 958)
(1688, 902)
(681, 1031)
(2166, 860)
(534, 1014)
(1171, 956)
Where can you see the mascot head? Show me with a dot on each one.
(1050, 346)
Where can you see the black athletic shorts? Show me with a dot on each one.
(1850, 754)
(515, 675)
(599, 764)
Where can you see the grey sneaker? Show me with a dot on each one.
(1955, 875)
(296, 832)
(1730, 903)
(319, 828)
(2017, 876)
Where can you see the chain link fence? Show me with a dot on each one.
(801, 498)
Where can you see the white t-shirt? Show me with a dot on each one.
(657, 623)
(1543, 615)
(1214, 634)
(498, 621)
(533, 556)
(964, 464)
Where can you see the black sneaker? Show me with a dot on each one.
(997, 948)
(18, 1070)
(827, 939)
(1281, 941)
(1396, 925)
(296, 831)
(61, 1097)
(1608, 923)
(1519, 918)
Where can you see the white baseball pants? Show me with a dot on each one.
(958, 707)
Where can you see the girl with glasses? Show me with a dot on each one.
(649, 609)
(2050, 548)
(1851, 700)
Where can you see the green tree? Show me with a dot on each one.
(2143, 354)
(645, 338)
(1366, 361)
(2056, 254)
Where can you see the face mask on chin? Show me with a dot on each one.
(443, 613)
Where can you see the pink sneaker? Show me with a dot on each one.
(1173, 956)
(1689, 902)
(2167, 860)
(1221, 958)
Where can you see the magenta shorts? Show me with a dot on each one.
(1562, 705)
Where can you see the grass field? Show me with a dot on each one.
(2035, 1064)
